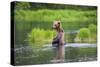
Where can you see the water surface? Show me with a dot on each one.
(74, 52)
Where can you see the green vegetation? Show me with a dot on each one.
(88, 35)
(84, 34)
(22, 5)
(33, 23)
(93, 31)
(69, 18)
(39, 37)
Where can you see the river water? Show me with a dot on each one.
(74, 52)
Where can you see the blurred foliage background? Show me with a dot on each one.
(33, 22)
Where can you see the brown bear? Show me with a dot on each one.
(58, 42)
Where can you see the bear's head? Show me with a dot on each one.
(56, 25)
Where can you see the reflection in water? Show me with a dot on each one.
(29, 55)
(80, 54)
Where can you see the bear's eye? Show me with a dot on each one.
(58, 22)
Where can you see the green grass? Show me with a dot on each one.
(71, 19)
(47, 15)
(38, 37)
